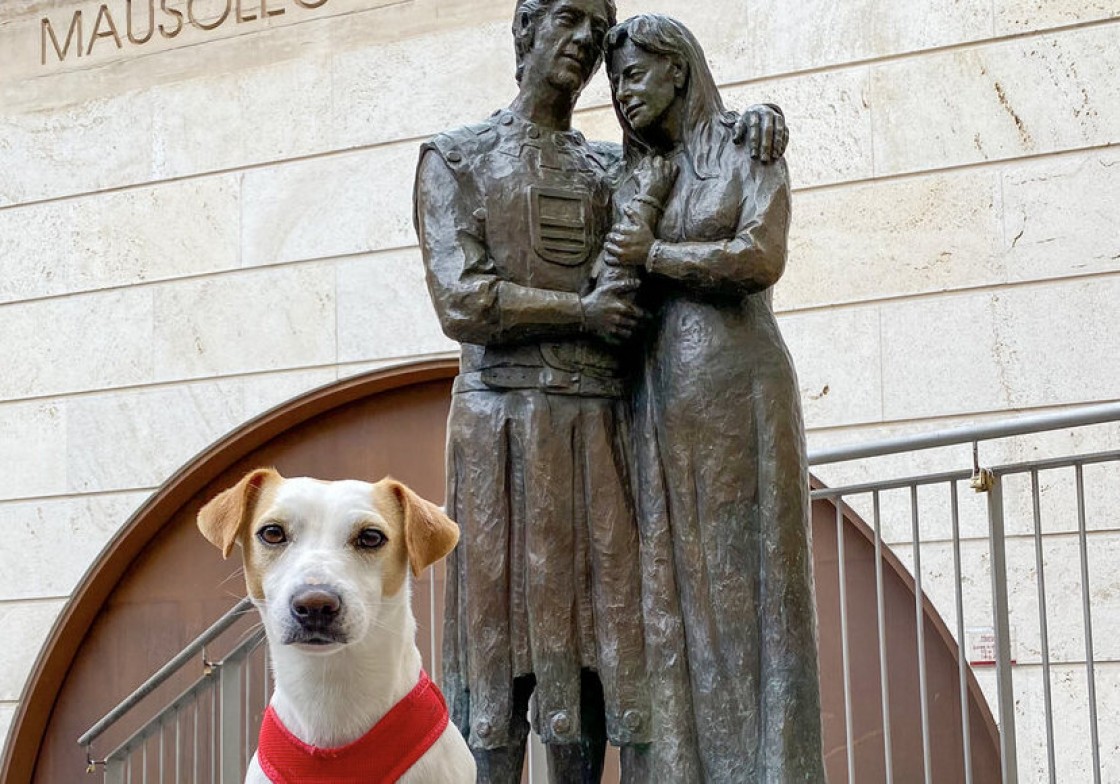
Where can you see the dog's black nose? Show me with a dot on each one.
(316, 606)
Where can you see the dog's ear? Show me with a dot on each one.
(429, 534)
(223, 518)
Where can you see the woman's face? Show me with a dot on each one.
(645, 85)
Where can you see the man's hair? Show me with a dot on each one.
(523, 36)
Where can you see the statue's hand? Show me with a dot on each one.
(764, 130)
(608, 311)
(629, 242)
(655, 177)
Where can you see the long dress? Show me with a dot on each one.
(722, 486)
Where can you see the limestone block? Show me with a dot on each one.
(7, 714)
(89, 341)
(139, 438)
(599, 124)
(1020, 97)
(1022, 347)
(721, 26)
(352, 369)
(1058, 509)
(245, 322)
(417, 87)
(279, 111)
(1062, 572)
(1020, 16)
(261, 393)
(894, 238)
(784, 37)
(836, 354)
(120, 238)
(97, 143)
(334, 206)
(32, 448)
(65, 533)
(1058, 343)
(26, 626)
(1060, 216)
(384, 309)
(945, 355)
(1070, 706)
(829, 119)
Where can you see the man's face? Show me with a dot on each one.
(567, 43)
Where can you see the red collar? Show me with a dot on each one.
(381, 756)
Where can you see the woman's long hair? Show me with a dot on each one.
(705, 118)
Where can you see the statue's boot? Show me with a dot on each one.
(582, 762)
(576, 763)
(500, 766)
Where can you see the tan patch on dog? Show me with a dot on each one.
(229, 519)
(428, 534)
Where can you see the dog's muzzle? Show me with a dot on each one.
(316, 612)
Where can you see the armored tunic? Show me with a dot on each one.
(545, 581)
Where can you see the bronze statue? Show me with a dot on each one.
(721, 470)
(544, 590)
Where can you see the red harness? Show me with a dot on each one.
(381, 756)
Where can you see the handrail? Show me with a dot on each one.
(1004, 428)
(242, 651)
(166, 671)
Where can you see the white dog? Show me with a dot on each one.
(327, 565)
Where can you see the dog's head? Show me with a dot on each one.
(323, 559)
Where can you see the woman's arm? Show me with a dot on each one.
(753, 260)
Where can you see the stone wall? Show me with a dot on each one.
(195, 227)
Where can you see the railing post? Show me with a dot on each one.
(1002, 623)
(114, 771)
(230, 770)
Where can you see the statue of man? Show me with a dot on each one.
(544, 590)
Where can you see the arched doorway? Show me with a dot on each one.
(158, 584)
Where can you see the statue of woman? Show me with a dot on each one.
(720, 457)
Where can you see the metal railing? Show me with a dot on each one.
(1039, 513)
(208, 732)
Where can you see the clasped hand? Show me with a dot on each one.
(609, 312)
(629, 242)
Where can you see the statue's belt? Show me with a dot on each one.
(547, 379)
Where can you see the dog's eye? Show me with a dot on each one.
(272, 534)
(370, 539)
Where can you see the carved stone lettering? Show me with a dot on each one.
(73, 34)
(151, 23)
(242, 16)
(109, 31)
(143, 17)
(175, 14)
(191, 15)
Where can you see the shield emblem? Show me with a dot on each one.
(559, 224)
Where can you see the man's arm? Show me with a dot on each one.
(763, 128)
